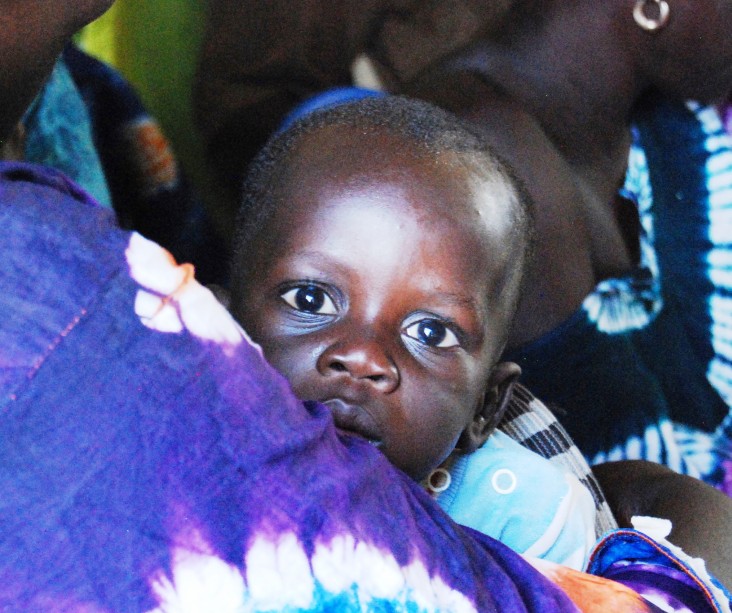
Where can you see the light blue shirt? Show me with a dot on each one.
(523, 500)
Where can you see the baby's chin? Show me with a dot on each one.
(355, 421)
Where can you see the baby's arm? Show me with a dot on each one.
(701, 515)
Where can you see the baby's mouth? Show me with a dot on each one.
(354, 420)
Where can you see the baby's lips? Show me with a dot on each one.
(354, 420)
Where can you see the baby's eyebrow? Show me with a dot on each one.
(315, 258)
(458, 300)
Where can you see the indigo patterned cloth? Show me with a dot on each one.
(152, 461)
(644, 368)
(643, 559)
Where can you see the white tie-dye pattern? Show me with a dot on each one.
(173, 300)
(345, 564)
(280, 577)
(330, 564)
(657, 601)
(380, 575)
(153, 267)
(444, 598)
(200, 583)
(156, 314)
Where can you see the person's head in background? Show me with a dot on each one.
(379, 261)
(33, 34)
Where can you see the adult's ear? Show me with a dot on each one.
(498, 392)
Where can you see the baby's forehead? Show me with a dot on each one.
(441, 194)
(463, 183)
(342, 154)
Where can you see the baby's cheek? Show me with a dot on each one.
(446, 450)
(295, 363)
(432, 443)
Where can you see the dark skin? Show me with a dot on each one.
(34, 31)
(373, 291)
(304, 347)
(33, 34)
(556, 100)
(555, 96)
(645, 488)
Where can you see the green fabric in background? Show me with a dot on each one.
(155, 45)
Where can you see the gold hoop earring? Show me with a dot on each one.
(647, 23)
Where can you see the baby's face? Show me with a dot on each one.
(375, 293)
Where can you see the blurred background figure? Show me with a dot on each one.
(261, 58)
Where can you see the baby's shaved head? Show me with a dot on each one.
(353, 136)
(379, 265)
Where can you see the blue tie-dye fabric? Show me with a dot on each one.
(644, 368)
(59, 134)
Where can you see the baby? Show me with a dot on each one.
(379, 261)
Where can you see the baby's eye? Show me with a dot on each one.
(432, 333)
(310, 299)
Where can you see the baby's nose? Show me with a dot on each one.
(364, 361)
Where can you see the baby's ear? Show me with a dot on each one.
(497, 396)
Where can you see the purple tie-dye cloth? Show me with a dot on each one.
(659, 572)
(150, 460)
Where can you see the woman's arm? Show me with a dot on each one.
(700, 514)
